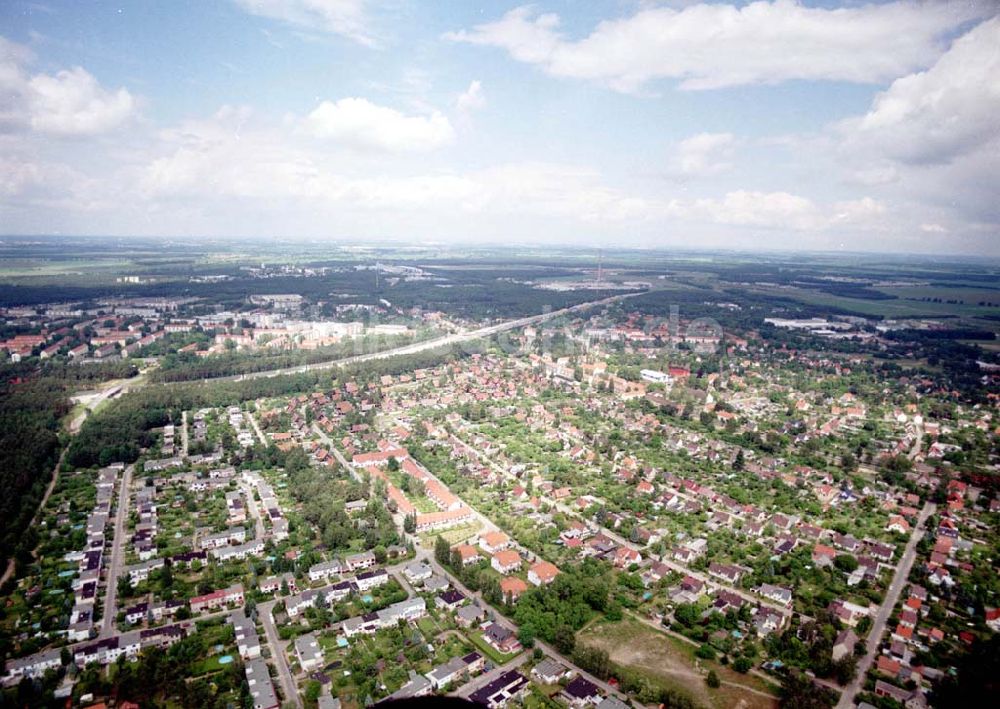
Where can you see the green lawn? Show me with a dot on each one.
(428, 627)
(423, 504)
(209, 664)
(454, 535)
(488, 650)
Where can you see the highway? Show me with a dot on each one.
(444, 341)
(899, 580)
(92, 399)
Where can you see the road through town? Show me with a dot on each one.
(278, 649)
(885, 610)
(117, 554)
(451, 340)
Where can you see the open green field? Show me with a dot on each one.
(13, 267)
(671, 663)
(896, 308)
(453, 536)
(969, 295)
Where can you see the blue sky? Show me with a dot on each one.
(772, 124)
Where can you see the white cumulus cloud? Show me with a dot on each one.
(70, 102)
(934, 116)
(362, 124)
(930, 142)
(711, 46)
(73, 103)
(232, 156)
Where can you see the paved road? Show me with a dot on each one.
(899, 580)
(115, 390)
(917, 443)
(444, 341)
(280, 648)
(89, 400)
(285, 679)
(256, 428)
(401, 580)
(117, 554)
(184, 433)
(92, 399)
(487, 524)
(328, 442)
(258, 520)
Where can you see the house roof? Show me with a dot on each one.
(507, 557)
(545, 570)
(495, 539)
(512, 585)
(581, 688)
(549, 668)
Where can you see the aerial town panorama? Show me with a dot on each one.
(500, 355)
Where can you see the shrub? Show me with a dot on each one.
(705, 652)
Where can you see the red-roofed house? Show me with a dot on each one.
(823, 555)
(898, 524)
(467, 554)
(512, 587)
(492, 542)
(506, 561)
(542, 573)
(887, 666)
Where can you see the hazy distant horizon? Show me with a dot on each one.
(854, 127)
(591, 248)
